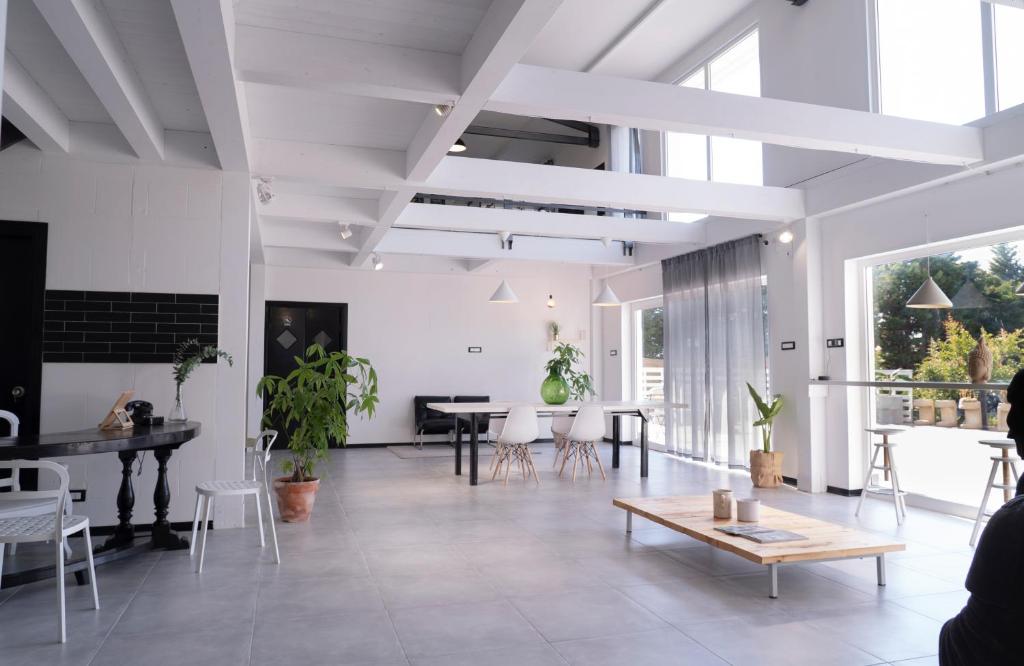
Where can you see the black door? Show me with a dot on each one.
(291, 327)
(22, 285)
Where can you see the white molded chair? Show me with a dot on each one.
(560, 426)
(10, 508)
(56, 527)
(207, 491)
(519, 431)
(494, 427)
(582, 439)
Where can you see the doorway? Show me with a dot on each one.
(649, 363)
(22, 291)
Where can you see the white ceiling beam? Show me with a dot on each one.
(362, 212)
(88, 36)
(486, 246)
(33, 111)
(390, 206)
(285, 233)
(477, 265)
(207, 31)
(545, 92)
(505, 33)
(555, 225)
(349, 166)
(327, 64)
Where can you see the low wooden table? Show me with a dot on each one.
(693, 516)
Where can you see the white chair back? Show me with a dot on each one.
(60, 494)
(495, 425)
(261, 455)
(588, 426)
(520, 425)
(561, 424)
(11, 418)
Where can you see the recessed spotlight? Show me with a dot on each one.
(458, 147)
(786, 237)
(345, 231)
(263, 190)
(377, 262)
(442, 109)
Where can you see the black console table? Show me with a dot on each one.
(162, 440)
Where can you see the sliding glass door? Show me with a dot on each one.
(649, 364)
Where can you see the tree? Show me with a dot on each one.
(1005, 264)
(653, 333)
(946, 360)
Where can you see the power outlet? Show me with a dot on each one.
(834, 343)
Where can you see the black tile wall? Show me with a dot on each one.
(124, 327)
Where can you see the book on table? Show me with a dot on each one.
(761, 534)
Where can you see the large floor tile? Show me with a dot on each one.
(653, 648)
(884, 629)
(586, 614)
(936, 606)
(529, 655)
(459, 628)
(698, 600)
(344, 638)
(408, 591)
(293, 598)
(222, 647)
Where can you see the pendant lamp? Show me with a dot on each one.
(607, 297)
(929, 296)
(503, 294)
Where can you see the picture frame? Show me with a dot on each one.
(117, 418)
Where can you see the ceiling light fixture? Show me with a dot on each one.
(263, 190)
(458, 147)
(344, 230)
(551, 301)
(442, 109)
(786, 237)
(607, 298)
(929, 296)
(377, 262)
(503, 294)
(506, 239)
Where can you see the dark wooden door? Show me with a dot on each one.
(291, 327)
(22, 289)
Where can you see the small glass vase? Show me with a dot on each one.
(554, 390)
(178, 414)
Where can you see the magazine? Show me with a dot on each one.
(761, 534)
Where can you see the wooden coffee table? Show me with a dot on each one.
(692, 516)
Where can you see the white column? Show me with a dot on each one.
(812, 474)
(257, 323)
(233, 338)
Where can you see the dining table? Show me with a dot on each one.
(467, 417)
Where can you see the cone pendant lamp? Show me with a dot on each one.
(929, 296)
(503, 294)
(607, 298)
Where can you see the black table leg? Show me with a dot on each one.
(458, 446)
(616, 439)
(163, 535)
(643, 445)
(124, 533)
(474, 441)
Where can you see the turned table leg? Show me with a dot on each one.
(163, 535)
(124, 533)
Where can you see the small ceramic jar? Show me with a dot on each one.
(722, 503)
(748, 510)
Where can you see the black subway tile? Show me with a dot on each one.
(64, 316)
(134, 327)
(53, 305)
(58, 294)
(192, 318)
(210, 309)
(106, 358)
(61, 336)
(179, 307)
(106, 336)
(87, 346)
(164, 317)
(52, 326)
(152, 337)
(189, 329)
(62, 357)
(87, 326)
(108, 316)
(133, 306)
(88, 306)
(108, 296)
(196, 298)
(149, 297)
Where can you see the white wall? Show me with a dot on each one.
(415, 328)
(131, 227)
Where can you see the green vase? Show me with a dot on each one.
(554, 390)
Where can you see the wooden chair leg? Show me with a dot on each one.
(508, 467)
(565, 457)
(533, 467)
(597, 457)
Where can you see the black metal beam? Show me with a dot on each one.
(593, 136)
(525, 135)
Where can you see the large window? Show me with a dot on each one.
(649, 364)
(736, 70)
(933, 55)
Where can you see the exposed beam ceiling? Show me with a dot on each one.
(390, 206)
(206, 30)
(361, 212)
(31, 110)
(540, 91)
(558, 225)
(486, 246)
(88, 36)
(477, 265)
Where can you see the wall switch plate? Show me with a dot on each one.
(475, 350)
(789, 345)
(834, 343)
(613, 352)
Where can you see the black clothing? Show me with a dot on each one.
(987, 631)
(1015, 417)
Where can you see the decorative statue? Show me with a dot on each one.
(979, 363)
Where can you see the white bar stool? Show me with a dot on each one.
(888, 468)
(1009, 464)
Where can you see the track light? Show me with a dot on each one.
(786, 237)
(506, 239)
(263, 190)
(377, 262)
(458, 147)
(442, 109)
(345, 231)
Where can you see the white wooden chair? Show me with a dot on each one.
(560, 426)
(581, 441)
(9, 507)
(519, 431)
(494, 427)
(258, 487)
(55, 526)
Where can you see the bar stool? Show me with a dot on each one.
(1009, 464)
(888, 466)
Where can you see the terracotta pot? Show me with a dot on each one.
(766, 468)
(295, 498)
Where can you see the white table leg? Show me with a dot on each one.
(629, 522)
(880, 567)
(773, 581)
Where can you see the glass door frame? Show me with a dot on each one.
(631, 380)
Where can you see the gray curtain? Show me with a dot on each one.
(714, 345)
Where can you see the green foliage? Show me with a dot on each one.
(768, 412)
(946, 360)
(189, 355)
(653, 332)
(313, 401)
(1005, 264)
(563, 364)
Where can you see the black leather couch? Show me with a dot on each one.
(428, 421)
(483, 421)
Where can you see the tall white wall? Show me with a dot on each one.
(416, 327)
(131, 227)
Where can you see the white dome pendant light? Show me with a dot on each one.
(929, 296)
(503, 294)
(607, 297)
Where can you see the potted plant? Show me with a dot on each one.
(563, 379)
(766, 465)
(312, 405)
(187, 358)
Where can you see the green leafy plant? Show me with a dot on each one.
(768, 412)
(566, 357)
(312, 404)
(189, 355)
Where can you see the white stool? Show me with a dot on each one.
(1009, 464)
(888, 468)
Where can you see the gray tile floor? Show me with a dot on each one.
(403, 563)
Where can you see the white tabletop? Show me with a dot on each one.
(501, 407)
